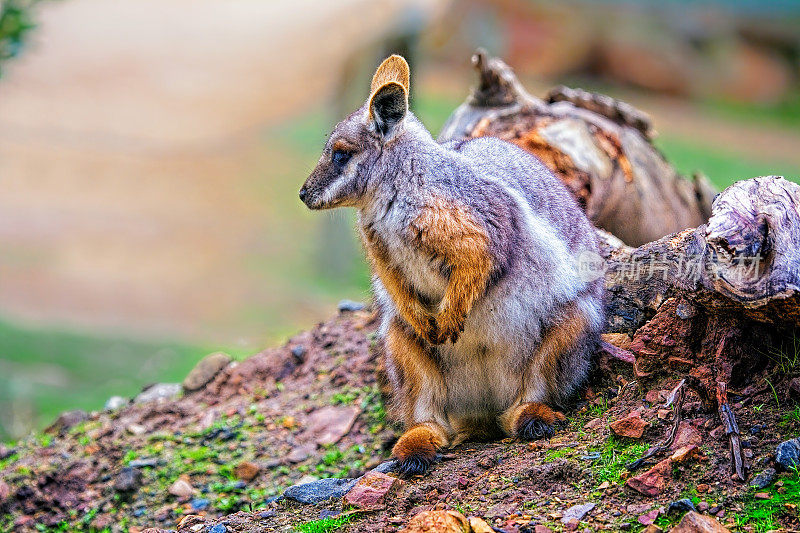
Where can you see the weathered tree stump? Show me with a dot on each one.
(598, 146)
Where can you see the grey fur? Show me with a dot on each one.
(536, 232)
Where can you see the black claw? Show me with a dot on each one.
(414, 465)
(535, 429)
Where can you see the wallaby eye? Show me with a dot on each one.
(341, 157)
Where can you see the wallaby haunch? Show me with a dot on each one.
(487, 322)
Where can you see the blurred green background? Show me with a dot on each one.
(151, 153)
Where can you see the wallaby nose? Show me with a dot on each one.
(303, 194)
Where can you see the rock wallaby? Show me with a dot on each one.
(487, 322)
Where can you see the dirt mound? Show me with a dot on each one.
(220, 458)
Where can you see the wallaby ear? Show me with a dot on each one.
(394, 68)
(387, 107)
(388, 101)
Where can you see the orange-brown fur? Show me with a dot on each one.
(393, 69)
(558, 340)
(528, 412)
(422, 440)
(416, 365)
(449, 231)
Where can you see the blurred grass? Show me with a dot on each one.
(722, 167)
(44, 371)
(48, 371)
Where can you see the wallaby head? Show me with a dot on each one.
(341, 177)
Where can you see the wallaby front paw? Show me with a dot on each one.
(447, 328)
(415, 451)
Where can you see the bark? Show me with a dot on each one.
(601, 149)
(745, 262)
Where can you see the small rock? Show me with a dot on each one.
(301, 453)
(717, 432)
(246, 471)
(67, 420)
(663, 414)
(23, 521)
(685, 453)
(794, 387)
(159, 391)
(115, 402)
(205, 370)
(199, 504)
(762, 496)
(329, 424)
(142, 463)
(486, 462)
(638, 508)
(594, 423)
(102, 521)
(682, 506)
(219, 528)
(652, 528)
(299, 353)
(788, 454)
(349, 306)
(702, 487)
(620, 340)
(385, 467)
(371, 490)
(479, 525)
(5, 491)
(652, 482)
(763, 479)
(693, 522)
(437, 522)
(182, 489)
(702, 506)
(577, 512)
(655, 396)
(320, 490)
(136, 429)
(190, 520)
(632, 426)
(648, 518)
(687, 435)
(539, 528)
(128, 480)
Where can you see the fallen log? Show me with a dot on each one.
(744, 263)
(598, 146)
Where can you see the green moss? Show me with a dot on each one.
(615, 453)
(325, 525)
(765, 515)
